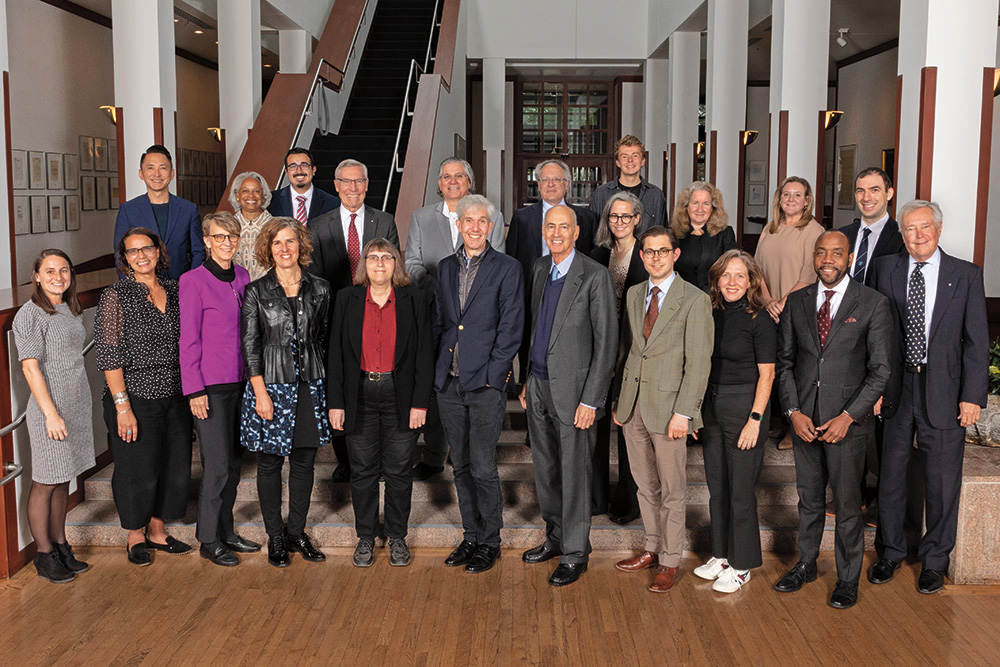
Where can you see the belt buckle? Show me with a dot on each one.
(374, 376)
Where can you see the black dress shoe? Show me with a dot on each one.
(845, 595)
(930, 581)
(622, 519)
(301, 544)
(242, 545)
(138, 555)
(172, 546)
(342, 473)
(484, 558)
(540, 554)
(461, 555)
(422, 471)
(802, 573)
(277, 552)
(567, 573)
(219, 553)
(883, 571)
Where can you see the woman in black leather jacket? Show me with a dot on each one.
(284, 407)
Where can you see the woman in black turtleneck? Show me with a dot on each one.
(736, 403)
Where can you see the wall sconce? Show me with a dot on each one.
(111, 112)
(748, 136)
(832, 118)
(996, 82)
(699, 148)
(215, 133)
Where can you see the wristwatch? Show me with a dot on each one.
(789, 411)
(756, 416)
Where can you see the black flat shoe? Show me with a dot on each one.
(567, 573)
(845, 595)
(242, 546)
(461, 555)
(622, 519)
(138, 555)
(301, 544)
(172, 546)
(219, 553)
(484, 558)
(930, 581)
(883, 571)
(540, 554)
(342, 473)
(277, 553)
(802, 573)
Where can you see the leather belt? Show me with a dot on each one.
(375, 376)
(915, 368)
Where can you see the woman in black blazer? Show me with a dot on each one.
(703, 233)
(615, 247)
(381, 369)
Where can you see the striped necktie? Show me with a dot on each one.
(861, 261)
(300, 210)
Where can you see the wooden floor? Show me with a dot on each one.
(183, 610)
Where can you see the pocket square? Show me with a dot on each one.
(850, 319)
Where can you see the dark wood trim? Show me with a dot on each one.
(444, 56)
(868, 53)
(895, 152)
(82, 12)
(694, 161)
(925, 132)
(503, 181)
(985, 150)
(10, 180)
(820, 167)
(120, 149)
(713, 156)
(741, 174)
(8, 500)
(782, 145)
(673, 175)
(759, 83)
(413, 184)
(158, 125)
(665, 185)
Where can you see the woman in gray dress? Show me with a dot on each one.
(49, 334)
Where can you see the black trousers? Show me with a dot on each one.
(300, 483)
(624, 500)
(153, 472)
(221, 456)
(381, 442)
(941, 455)
(435, 444)
(732, 473)
(472, 423)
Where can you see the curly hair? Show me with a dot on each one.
(680, 221)
(262, 251)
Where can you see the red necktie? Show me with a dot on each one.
(353, 246)
(300, 211)
(823, 317)
(651, 313)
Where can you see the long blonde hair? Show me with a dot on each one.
(778, 215)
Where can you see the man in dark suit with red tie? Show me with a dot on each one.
(938, 387)
(300, 199)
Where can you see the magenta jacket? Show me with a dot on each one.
(210, 352)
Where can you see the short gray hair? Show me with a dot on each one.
(917, 204)
(468, 172)
(567, 174)
(475, 201)
(349, 162)
(234, 190)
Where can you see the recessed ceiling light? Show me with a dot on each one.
(199, 32)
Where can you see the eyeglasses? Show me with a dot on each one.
(223, 238)
(623, 217)
(453, 177)
(650, 253)
(380, 259)
(295, 166)
(551, 181)
(145, 250)
(352, 181)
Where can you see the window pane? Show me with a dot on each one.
(552, 143)
(598, 93)
(577, 142)
(598, 143)
(530, 120)
(531, 142)
(577, 118)
(598, 119)
(552, 118)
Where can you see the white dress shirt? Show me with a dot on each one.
(930, 271)
(359, 223)
(664, 286)
(876, 228)
(453, 224)
(308, 194)
(838, 295)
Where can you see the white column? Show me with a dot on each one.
(494, 89)
(800, 53)
(239, 72)
(145, 78)
(959, 44)
(7, 279)
(294, 51)
(726, 92)
(682, 110)
(656, 128)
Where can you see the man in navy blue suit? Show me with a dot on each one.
(176, 220)
(937, 388)
(478, 320)
(309, 201)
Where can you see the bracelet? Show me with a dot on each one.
(120, 397)
(121, 412)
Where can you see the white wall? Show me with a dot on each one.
(664, 17)
(632, 108)
(757, 113)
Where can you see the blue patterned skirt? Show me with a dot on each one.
(274, 436)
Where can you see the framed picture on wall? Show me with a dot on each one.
(757, 172)
(756, 195)
(71, 172)
(89, 196)
(100, 154)
(36, 170)
(114, 192)
(846, 156)
(54, 170)
(57, 213)
(39, 215)
(103, 198)
(22, 216)
(72, 213)
(86, 153)
(113, 155)
(19, 164)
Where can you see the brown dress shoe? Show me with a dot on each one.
(663, 579)
(636, 563)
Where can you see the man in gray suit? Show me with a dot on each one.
(433, 236)
(573, 343)
(834, 345)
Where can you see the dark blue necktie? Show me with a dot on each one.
(916, 342)
(861, 261)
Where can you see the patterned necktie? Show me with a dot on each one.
(861, 261)
(916, 343)
(823, 318)
(651, 312)
(300, 211)
(353, 246)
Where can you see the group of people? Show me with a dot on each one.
(300, 324)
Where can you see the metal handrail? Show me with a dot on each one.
(14, 470)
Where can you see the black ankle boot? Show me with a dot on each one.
(50, 568)
(68, 559)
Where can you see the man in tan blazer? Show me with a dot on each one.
(666, 352)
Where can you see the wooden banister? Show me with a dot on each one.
(444, 59)
(413, 185)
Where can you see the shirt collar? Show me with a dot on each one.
(664, 286)
(876, 226)
(840, 288)
(448, 213)
(307, 194)
(562, 268)
(369, 299)
(469, 261)
(933, 260)
(546, 206)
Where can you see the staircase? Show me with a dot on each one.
(399, 34)
(435, 519)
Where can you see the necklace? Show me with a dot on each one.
(290, 282)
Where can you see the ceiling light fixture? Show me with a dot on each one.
(841, 40)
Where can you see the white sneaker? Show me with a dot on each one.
(731, 580)
(712, 569)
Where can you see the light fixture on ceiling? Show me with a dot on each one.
(215, 133)
(748, 136)
(111, 112)
(199, 32)
(841, 40)
(832, 118)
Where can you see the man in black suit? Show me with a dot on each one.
(833, 364)
(338, 237)
(524, 239)
(938, 386)
(309, 201)
(574, 340)
(478, 319)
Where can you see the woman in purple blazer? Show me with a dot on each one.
(212, 378)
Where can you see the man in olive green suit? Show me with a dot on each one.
(665, 353)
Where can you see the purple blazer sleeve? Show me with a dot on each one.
(192, 307)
